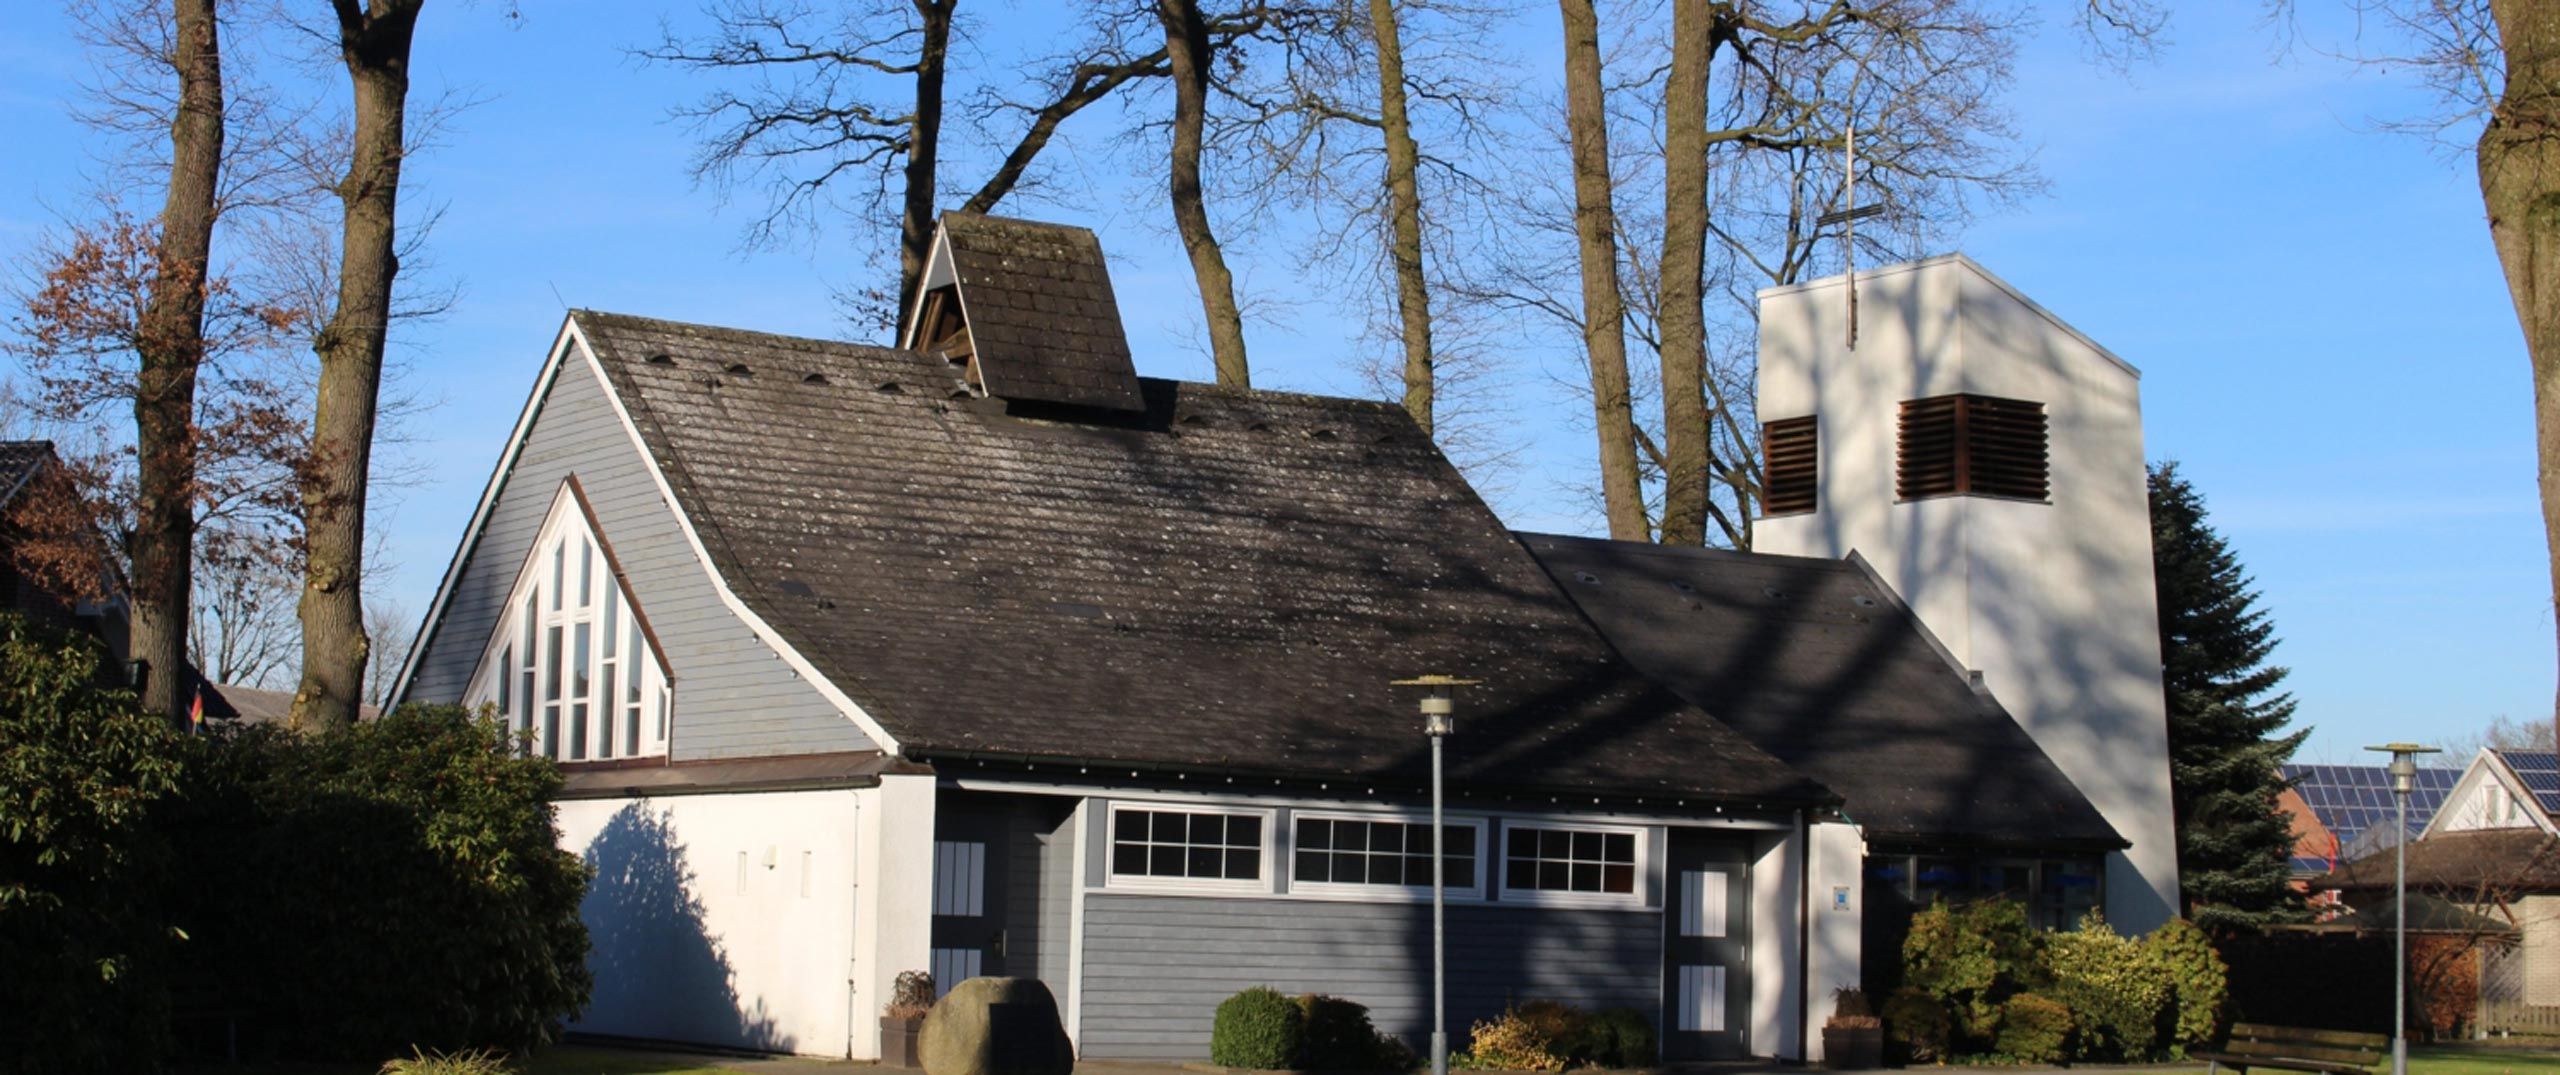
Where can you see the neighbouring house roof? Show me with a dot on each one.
(257, 705)
(2459, 864)
(19, 462)
(2349, 800)
(1224, 581)
(1819, 663)
(2538, 771)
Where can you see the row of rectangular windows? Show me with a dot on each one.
(1194, 845)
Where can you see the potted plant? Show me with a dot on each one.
(902, 1020)
(1853, 1038)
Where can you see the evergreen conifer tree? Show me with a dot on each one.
(2227, 743)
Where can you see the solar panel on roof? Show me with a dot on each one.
(2350, 799)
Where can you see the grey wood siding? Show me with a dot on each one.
(1155, 967)
(734, 696)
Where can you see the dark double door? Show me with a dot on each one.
(1706, 924)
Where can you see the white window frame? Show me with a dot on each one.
(1641, 896)
(1119, 882)
(1379, 892)
(565, 531)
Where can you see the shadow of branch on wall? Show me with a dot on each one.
(660, 973)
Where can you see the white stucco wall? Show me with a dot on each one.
(1777, 900)
(892, 923)
(722, 919)
(1838, 906)
(2053, 603)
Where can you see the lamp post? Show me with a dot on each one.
(1439, 718)
(2404, 779)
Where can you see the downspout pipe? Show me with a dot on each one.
(1804, 937)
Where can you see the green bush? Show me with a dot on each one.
(82, 931)
(1257, 1028)
(2116, 992)
(1628, 1036)
(1919, 1023)
(2033, 1030)
(371, 889)
(2199, 982)
(1971, 957)
(1339, 1037)
(1513, 1041)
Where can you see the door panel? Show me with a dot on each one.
(1705, 974)
(969, 886)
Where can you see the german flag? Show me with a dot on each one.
(195, 712)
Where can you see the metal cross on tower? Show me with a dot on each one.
(1847, 217)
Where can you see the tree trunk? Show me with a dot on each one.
(2519, 157)
(1683, 313)
(1595, 224)
(1404, 212)
(924, 148)
(170, 347)
(374, 43)
(1186, 43)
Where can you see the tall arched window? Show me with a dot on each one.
(572, 665)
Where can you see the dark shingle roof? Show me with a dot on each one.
(1227, 581)
(1817, 662)
(257, 705)
(1041, 313)
(19, 461)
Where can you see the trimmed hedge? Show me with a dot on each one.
(384, 887)
(1257, 1028)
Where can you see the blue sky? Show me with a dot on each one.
(2327, 345)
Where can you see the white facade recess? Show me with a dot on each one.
(571, 666)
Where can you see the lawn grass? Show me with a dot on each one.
(558, 1060)
(2463, 1060)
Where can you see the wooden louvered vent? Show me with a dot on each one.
(1790, 461)
(1967, 445)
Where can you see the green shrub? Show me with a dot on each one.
(1568, 1030)
(83, 929)
(466, 1062)
(1971, 956)
(1339, 1037)
(1510, 1042)
(1628, 1036)
(2199, 982)
(2116, 992)
(369, 889)
(1919, 1023)
(1257, 1028)
(2033, 1030)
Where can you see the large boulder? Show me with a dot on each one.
(996, 1026)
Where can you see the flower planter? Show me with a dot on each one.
(1852, 1048)
(898, 1038)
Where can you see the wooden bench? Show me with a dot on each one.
(2334, 1052)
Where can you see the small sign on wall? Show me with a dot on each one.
(1839, 897)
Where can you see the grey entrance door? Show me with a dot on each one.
(969, 867)
(1706, 980)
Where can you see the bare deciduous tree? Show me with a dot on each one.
(1603, 316)
(374, 38)
(813, 122)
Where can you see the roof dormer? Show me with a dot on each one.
(1026, 311)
